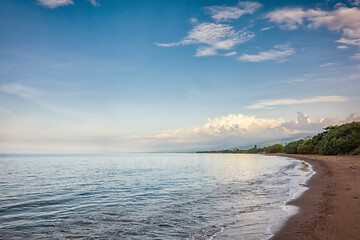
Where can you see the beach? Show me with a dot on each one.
(330, 208)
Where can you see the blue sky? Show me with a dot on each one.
(123, 76)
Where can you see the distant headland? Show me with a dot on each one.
(334, 140)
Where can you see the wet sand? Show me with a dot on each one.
(330, 208)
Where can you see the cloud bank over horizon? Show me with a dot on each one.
(232, 130)
(238, 129)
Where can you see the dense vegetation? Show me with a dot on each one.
(277, 148)
(335, 140)
(292, 147)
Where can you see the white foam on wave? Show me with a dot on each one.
(307, 171)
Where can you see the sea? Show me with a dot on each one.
(147, 195)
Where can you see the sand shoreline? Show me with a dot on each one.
(330, 208)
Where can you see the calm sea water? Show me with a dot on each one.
(145, 196)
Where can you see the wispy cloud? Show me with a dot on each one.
(62, 3)
(55, 3)
(271, 104)
(342, 19)
(230, 54)
(279, 53)
(297, 80)
(327, 64)
(212, 37)
(267, 28)
(36, 96)
(20, 90)
(4, 110)
(222, 13)
(356, 56)
(342, 47)
(95, 3)
(347, 41)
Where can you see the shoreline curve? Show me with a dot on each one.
(330, 207)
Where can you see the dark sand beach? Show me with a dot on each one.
(330, 208)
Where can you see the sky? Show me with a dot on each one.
(106, 76)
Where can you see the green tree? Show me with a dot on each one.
(277, 148)
(342, 139)
(291, 148)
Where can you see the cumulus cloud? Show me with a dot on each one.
(236, 130)
(55, 3)
(343, 19)
(303, 123)
(212, 37)
(222, 13)
(228, 129)
(270, 104)
(279, 53)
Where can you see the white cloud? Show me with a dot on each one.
(342, 47)
(55, 3)
(223, 127)
(303, 123)
(205, 51)
(349, 41)
(221, 13)
(288, 18)
(230, 54)
(279, 53)
(212, 37)
(61, 3)
(343, 19)
(266, 28)
(270, 104)
(167, 44)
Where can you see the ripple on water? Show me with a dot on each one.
(145, 196)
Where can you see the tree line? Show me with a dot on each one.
(334, 140)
